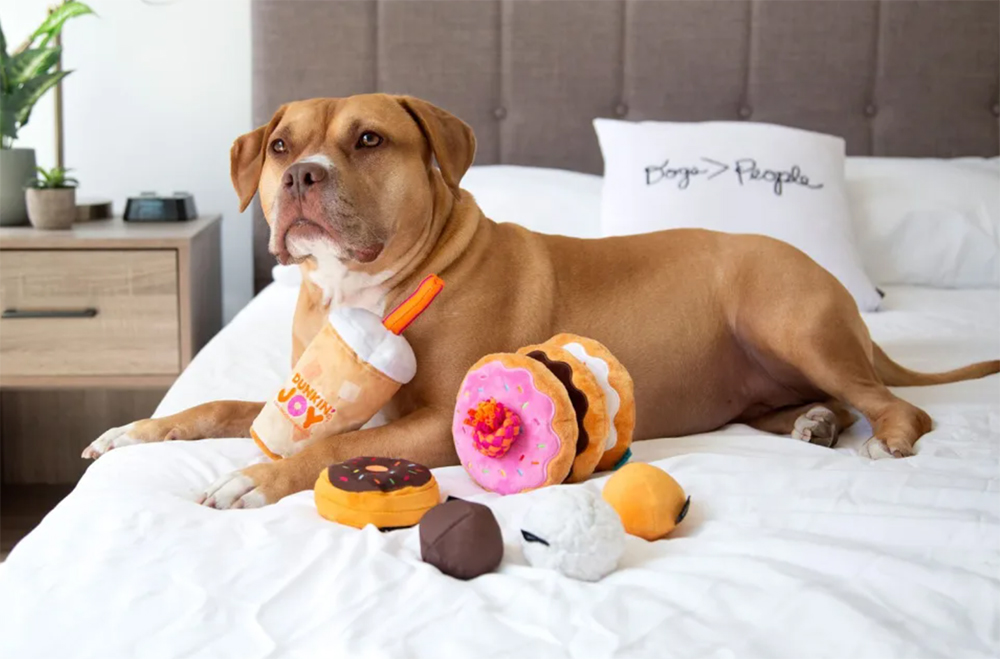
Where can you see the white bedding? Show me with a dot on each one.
(790, 550)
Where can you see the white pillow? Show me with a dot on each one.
(735, 177)
(926, 221)
(544, 200)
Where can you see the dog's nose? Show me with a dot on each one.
(300, 177)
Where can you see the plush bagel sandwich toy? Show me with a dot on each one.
(587, 399)
(542, 416)
(619, 396)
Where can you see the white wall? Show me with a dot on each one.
(158, 94)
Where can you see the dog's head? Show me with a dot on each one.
(351, 178)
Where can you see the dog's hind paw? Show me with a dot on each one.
(878, 449)
(112, 439)
(817, 426)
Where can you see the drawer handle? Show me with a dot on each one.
(89, 312)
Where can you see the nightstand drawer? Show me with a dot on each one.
(119, 312)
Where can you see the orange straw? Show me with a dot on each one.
(408, 310)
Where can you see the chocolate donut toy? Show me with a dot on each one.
(384, 492)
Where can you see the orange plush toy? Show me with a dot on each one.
(650, 502)
(384, 492)
(355, 365)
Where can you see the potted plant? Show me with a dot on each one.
(25, 76)
(51, 199)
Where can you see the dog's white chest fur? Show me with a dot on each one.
(342, 287)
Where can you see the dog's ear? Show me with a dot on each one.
(246, 159)
(451, 140)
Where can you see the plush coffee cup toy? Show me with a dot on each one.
(353, 366)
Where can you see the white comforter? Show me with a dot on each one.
(790, 550)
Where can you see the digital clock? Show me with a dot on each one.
(150, 207)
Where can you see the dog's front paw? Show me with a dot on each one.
(137, 432)
(257, 485)
(112, 439)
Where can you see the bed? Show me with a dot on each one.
(790, 549)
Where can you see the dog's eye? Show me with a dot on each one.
(278, 146)
(369, 140)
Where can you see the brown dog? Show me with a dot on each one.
(714, 328)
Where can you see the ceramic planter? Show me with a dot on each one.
(52, 208)
(17, 167)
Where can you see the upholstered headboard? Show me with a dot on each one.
(893, 77)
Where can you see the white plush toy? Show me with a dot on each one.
(574, 531)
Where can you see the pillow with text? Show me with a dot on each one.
(734, 177)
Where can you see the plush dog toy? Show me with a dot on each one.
(648, 500)
(552, 413)
(346, 374)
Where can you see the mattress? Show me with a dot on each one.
(790, 549)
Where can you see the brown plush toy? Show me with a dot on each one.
(649, 502)
(461, 538)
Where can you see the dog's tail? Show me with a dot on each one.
(894, 375)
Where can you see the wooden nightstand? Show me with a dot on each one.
(107, 303)
(97, 322)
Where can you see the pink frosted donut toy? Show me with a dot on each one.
(515, 428)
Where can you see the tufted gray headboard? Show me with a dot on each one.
(893, 77)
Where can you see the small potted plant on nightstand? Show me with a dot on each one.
(51, 199)
(26, 74)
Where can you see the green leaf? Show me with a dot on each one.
(54, 178)
(26, 65)
(53, 24)
(23, 99)
(46, 177)
(3, 61)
